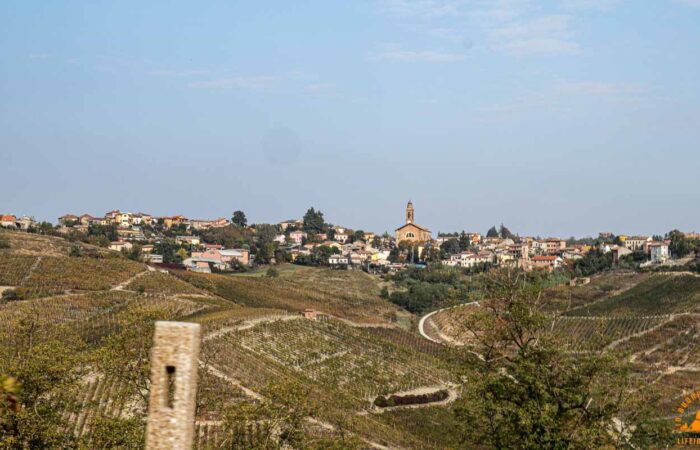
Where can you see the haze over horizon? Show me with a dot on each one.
(558, 118)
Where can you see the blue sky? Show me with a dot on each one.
(560, 117)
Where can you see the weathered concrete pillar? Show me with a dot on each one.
(171, 407)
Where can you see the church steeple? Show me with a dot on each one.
(409, 212)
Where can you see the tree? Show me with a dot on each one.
(44, 364)
(679, 246)
(526, 391)
(358, 235)
(265, 232)
(505, 233)
(239, 219)
(493, 232)
(313, 221)
(451, 246)
(593, 262)
(265, 253)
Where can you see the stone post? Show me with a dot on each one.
(171, 407)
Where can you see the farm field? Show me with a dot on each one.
(161, 283)
(349, 295)
(652, 319)
(252, 331)
(30, 244)
(656, 295)
(360, 348)
(565, 298)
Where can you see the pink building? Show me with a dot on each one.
(241, 256)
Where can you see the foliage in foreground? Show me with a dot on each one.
(525, 391)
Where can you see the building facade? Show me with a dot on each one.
(411, 231)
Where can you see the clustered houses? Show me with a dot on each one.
(11, 221)
(340, 247)
(132, 227)
(129, 220)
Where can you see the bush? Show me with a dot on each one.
(4, 243)
(384, 293)
(418, 399)
(75, 251)
(10, 295)
(272, 272)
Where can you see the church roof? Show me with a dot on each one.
(413, 224)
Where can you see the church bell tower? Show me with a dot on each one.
(409, 212)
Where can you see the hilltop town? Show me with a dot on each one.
(220, 245)
(368, 338)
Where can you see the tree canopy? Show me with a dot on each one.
(239, 219)
(313, 221)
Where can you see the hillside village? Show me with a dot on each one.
(219, 245)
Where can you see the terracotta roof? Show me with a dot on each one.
(415, 225)
(545, 258)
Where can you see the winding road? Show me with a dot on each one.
(421, 322)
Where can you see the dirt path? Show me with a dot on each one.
(247, 324)
(31, 270)
(121, 286)
(422, 321)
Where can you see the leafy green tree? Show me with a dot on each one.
(265, 253)
(376, 242)
(43, 364)
(505, 233)
(526, 391)
(493, 232)
(451, 246)
(358, 235)
(465, 242)
(313, 221)
(593, 262)
(265, 232)
(239, 219)
(680, 246)
(320, 254)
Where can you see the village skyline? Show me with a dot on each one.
(356, 223)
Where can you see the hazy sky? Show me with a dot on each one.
(560, 117)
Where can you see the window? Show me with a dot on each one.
(410, 235)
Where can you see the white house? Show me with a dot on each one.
(120, 245)
(659, 252)
(188, 240)
(338, 260)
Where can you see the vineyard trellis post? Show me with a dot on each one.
(171, 406)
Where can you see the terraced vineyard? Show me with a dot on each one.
(161, 283)
(14, 268)
(657, 295)
(565, 298)
(57, 274)
(330, 353)
(253, 337)
(351, 295)
(595, 333)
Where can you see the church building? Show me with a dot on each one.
(411, 231)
